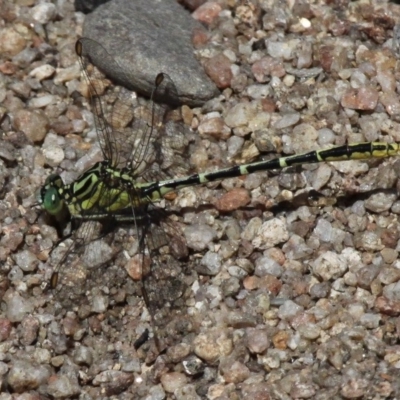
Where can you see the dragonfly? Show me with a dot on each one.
(144, 160)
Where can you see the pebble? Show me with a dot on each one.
(302, 135)
(11, 42)
(156, 392)
(5, 329)
(25, 376)
(26, 57)
(303, 390)
(29, 330)
(17, 306)
(284, 50)
(370, 241)
(214, 127)
(41, 102)
(392, 291)
(386, 79)
(43, 13)
(67, 74)
(34, 124)
(235, 145)
(42, 72)
(380, 202)
(199, 236)
(212, 345)
(257, 340)
(387, 306)
(21, 88)
(179, 352)
(280, 341)
(366, 275)
(320, 290)
(83, 356)
(218, 68)
(329, 266)
(131, 365)
(57, 361)
(257, 92)
(187, 392)
(42, 356)
(62, 386)
(97, 253)
(391, 103)
(54, 155)
(321, 177)
(235, 373)
(113, 381)
(266, 68)
(370, 321)
(99, 304)
(389, 274)
(355, 388)
(3, 368)
(271, 233)
(241, 114)
(309, 331)
(234, 199)
(230, 286)
(251, 229)
(288, 310)
(287, 120)
(324, 231)
(78, 125)
(207, 12)
(241, 320)
(26, 260)
(360, 99)
(266, 265)
(210, 264)
(173, 381)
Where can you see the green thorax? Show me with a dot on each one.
(99, 192)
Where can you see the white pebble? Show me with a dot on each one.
(42, 72)
(42, 101)
(54, 155)
(43, 13)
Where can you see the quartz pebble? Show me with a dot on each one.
(42, 72)
(43, 13)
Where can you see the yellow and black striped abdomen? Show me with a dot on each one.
(356, 151)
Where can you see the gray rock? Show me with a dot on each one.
(147, 37)
(210, 264)
(25, 376)
(17, 306)
(199, 236)
(61, 387)
(83, 356)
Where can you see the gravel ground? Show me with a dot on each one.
(295, 291)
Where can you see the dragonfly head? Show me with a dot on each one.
(49, 195)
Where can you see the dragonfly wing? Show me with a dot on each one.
(132, 133)
(100, 92)
(76, 264)
(167, 285)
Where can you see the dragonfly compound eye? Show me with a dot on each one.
(52, 202)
